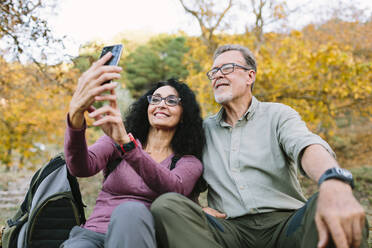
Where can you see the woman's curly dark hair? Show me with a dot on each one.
(189, 138)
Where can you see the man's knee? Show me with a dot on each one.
(166, 202)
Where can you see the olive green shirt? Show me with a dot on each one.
(252, 167)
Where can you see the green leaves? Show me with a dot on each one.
(158, 60)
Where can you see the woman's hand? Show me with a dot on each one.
(90, 86)
(108, 117)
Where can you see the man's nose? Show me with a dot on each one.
(218, 74)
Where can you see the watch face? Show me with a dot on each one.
(344, 173)
(337, 173)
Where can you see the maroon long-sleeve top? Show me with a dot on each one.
(137, 178)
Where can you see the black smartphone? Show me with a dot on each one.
(116, 54)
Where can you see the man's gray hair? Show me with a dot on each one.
(247, 54)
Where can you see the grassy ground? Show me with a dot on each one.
(90, 188)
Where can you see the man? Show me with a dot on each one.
(254, 150)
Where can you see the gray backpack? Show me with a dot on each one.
(52, 206)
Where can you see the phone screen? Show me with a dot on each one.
(116, 53)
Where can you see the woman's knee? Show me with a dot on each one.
(130, 210)
(83, 238)
(130, 222)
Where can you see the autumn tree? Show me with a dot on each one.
(354, 34)
(321, 84)
(158, 60)
(32, 96)
(32, 110)
(265, 13)
(211, 18)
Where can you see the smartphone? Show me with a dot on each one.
(116, 54)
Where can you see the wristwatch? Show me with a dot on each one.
(127, 146)
(339, 174)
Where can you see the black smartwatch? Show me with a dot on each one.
(125, 147)
(128, 146)
(339, 174)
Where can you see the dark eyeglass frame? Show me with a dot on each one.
(210, 74)
(166, 100)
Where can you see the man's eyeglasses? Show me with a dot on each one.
(225, 69)
(171, 100)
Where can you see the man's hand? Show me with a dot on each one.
(339, 214)
(214, 213)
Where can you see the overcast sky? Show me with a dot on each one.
(87, 20)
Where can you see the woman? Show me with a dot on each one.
(165, 122)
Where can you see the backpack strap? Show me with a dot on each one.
(174, 161)
(75, 190)
(111, 166)
(38, 177)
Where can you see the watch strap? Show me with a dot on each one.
(127, 146)
(337, 173)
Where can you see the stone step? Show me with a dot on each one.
(11, 199)
(12, 193)
(8, 205)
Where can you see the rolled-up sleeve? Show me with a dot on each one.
(294, 136)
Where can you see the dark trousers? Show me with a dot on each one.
(181, 223)
(131, 225)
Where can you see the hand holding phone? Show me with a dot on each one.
(116, 54)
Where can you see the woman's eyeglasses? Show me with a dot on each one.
(171, 100)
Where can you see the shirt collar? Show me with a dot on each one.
(247, 115)
(252, 108)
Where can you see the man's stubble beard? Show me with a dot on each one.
(223, 97)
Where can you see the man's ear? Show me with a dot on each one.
(251, 77)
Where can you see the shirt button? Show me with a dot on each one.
(253, 211)
(235, 170)
(241, 187)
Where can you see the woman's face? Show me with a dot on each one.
(162, 115)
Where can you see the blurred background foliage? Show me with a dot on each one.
(322, 70)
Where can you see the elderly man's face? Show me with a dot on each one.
(232, 86)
